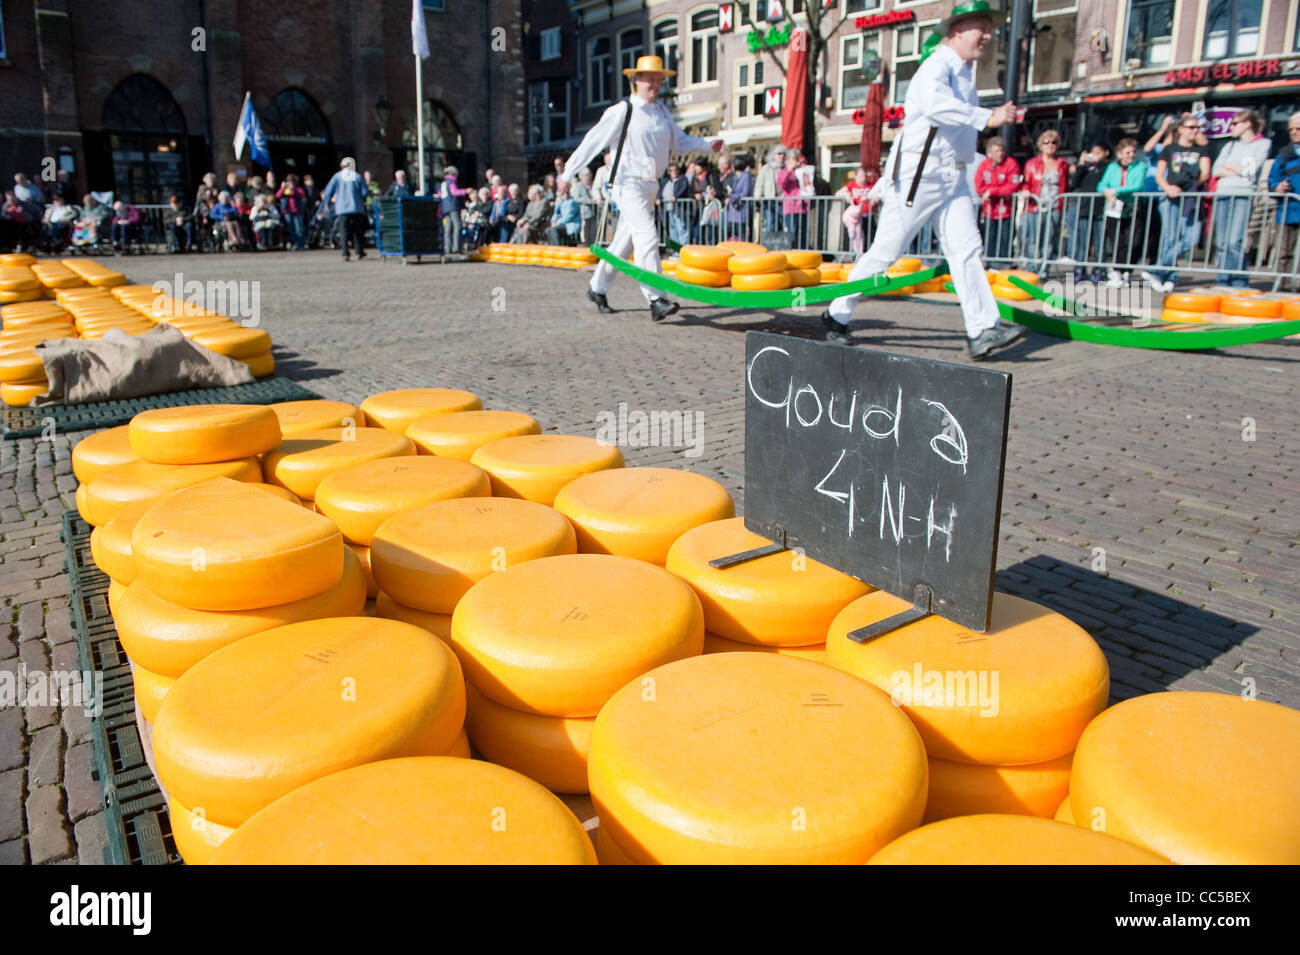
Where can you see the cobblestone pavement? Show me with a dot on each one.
(1150, 496)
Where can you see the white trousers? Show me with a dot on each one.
(635, 231)
(943, 196)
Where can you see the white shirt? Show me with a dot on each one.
(651, 137)
(943, 94)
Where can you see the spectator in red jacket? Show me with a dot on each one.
(1040, 220)
(997, 179)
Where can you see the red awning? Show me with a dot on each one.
(795, 111)
(1183, 92)
(873, 117)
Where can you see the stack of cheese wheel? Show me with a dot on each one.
(303, 460)
(758, 271)
(536, 466)
(742, 758)
(1005, 290)
(56, 275)
(459, 434)
(18, 284)
(831, 272)
(669, 266)
(640, 512)
(554, 256)
(1194, 306)
(398, 410)
(95, 274)
(359, 498)
(26, 325)
(704, 265)
(782, 603)
(991, 839)
(424, 560)
(803, 268)
(1000, 712)
(1251, 309)
(904, 266)
(17, 258)
(936, 284)
(274, 711)
(414, 811)
(546, 643)
(1198, 778)
(96, 312)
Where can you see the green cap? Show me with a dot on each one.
(971, 8)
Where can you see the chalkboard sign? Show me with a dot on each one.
(886, 467)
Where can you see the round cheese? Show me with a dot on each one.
(100, 451)
(1020, 693)
(803, 278)
(705, 257)
(429, 557)
(22, 394)
(114, 488)
(1193, 302)
(783, 599)
(639, 512)
(110, 544)
(203, 434)
(803, 259)
(757, 263)
(150, 688)
(964, 789)
(302, 461)
(761, 282)
(438, 624)
(1009, 840)
(115, 593)
(361, 497)
(1063, 812)
(536, 466)
(259, 366)
(21, 365)
(281, 708)
(169, 639)
(1199, 778)
(737, 247)
(197, 838)
(362, 554)
(716, 644)
(738, 758)
(558, 636)
(236, 342)
(460, 434)
(398, 410)
(712, 278)
(436, 810)
(608, 851)
(549, 749)
(315, 415)
(224, 546)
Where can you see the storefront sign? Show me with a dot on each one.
(1219, 72)
(1218, 122)
(772, 38)
(884, 19)
(772, 101)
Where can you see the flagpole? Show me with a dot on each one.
(419, 118)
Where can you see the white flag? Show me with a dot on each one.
(419, 36)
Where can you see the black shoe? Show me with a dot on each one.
(990, 340)
(360, 256)
(602, 305)
(347, 258)
(835, 332)
(661, 308)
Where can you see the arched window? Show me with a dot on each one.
(293, 117)
(443, 142)
(599, 80)
(664, 35)
(631, 44)
(147, 141)
(704, 46)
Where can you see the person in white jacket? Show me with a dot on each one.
(651, 137)
(941, 98)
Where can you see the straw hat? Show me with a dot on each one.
(648, 64)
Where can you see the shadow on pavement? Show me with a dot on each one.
(292, 366)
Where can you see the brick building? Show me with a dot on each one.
(142, 98)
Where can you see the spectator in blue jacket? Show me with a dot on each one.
(1284, 177)
(346, 190)
(566, 218)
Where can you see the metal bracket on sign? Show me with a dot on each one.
(731, 560)
(921, 602)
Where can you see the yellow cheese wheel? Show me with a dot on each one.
(737, 247)
(964, 789)
(460, 434)
(705, 257)
(398, 410)
(223, 546)
(53, 318)
(20, 394)
(716, 644)
(1291, 311)
(259, 365)
(557, 636)
(830, 272)
(17, 258)
(26, 295)
(802, 259)
(115, 592)
(608, 851)
(757, 263)
(907, 265)
(1252, 306)
(639, 512)
(438, 624)
(754, 758)
(1010, 293)
(536, 466)
(236, 342)
(110, 544)
(429, 557)
(1199, 778)
(18, 278)
(150, 688)
(1020, 693)
(1192, 302)
(712, 278)
(203, 434)
(100, 451)
(668, 266)
(169, 639)
(299, 416)
(1009, 840)
(549, 749)
(760, 282)
(302, 461)
(362, 554)
(22, 365)
(803, 278)
(1063, 812)
(361, 497)
(1175, 315)
(435, 810)
(196, 836)
(783, 599)
(100, 500)
(274, 711)
(933, 285)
